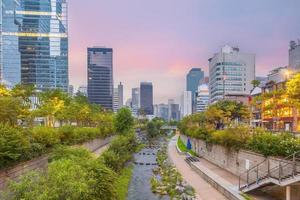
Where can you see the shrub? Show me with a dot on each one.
(13, 145)
(235, 138)
(85, 133)
(71, 153)
(45, 136)
(270, 144)
(67, 134)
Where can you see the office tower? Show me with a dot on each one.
(146, 98)
(163, 111)
(128, 103)
(202, 98)
(100, 76)
(135, 104)
(120, 96)
(116, 100)
(230, 73)
(82, 89)
(193, 79)
(294, 55)
(186, 103)
(279, 74)
(174, 112)
(34, 43)
(71, 90)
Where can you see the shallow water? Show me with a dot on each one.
(140, 186)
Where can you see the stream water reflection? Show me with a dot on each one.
(140, 187)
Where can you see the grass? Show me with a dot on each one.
(123, 182)
(183, 148)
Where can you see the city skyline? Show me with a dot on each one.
(164, 42)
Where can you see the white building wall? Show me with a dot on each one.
(231, 73)
(186, 103)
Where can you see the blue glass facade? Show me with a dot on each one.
(100, 76)
(193, 79)
(146, 98)
(34, 43)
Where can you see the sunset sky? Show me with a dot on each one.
(160, 40)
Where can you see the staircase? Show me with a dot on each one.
(281, 172)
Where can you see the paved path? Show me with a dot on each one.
(204, 191)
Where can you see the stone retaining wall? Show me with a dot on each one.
(18, 170)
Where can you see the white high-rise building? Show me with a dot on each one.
(135, 105)
(186, 104)
(230, 73)
(120, 96)
(116, 100)
(202, 98)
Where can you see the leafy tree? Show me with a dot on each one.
(152, 130)
(255, 83)
(52, 103)
(124, 121)
(11, 109)
(293, 88)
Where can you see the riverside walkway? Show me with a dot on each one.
(204, 191)
(215, 174)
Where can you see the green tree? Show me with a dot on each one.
(124, 121)
(255, 83)
(293, 89)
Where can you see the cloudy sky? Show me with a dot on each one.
(160, 40)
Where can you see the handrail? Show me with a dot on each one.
(282, 163)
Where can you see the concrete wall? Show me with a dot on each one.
(237, 163)
(41, 163)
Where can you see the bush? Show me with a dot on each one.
(269, 144)
(45, 136)
(71, 153)
(67, 178)
(85, 133)
(14, 144)
(120, 151)
(67, 134)
(235, 138)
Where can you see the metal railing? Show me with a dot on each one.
(280, 170)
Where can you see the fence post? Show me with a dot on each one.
(279, 177)
(294, 164)
(257, 174)
(247, 178)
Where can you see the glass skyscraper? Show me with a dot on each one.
(34, 43)
(100, 76)
(146, 98)
(193, 79)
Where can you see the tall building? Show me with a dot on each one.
(161, 111)
(135, 96)
(202, 98)
(120, 96)
(186, 103)
(294, 55)
(116, 100)
(82, 89)
(146, 98)
(100, 76)
(71, 90)
(193, 79)
(230, 73)
(280, 74)
(34, 43)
